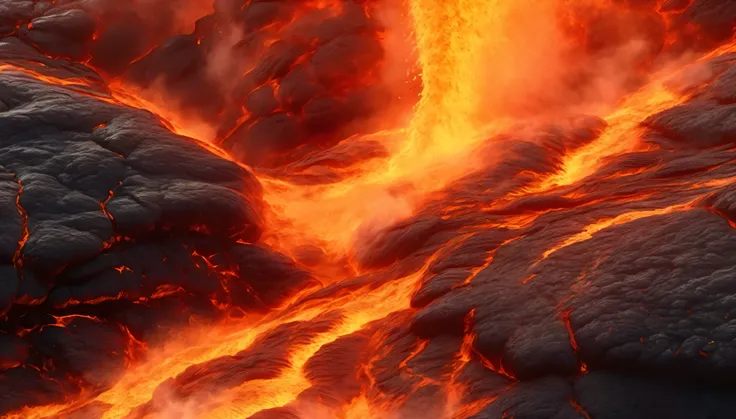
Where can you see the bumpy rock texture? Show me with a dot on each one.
(275, 75)
(282, 79)
(114, 230)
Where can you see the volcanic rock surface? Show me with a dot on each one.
(605, 296)
(113, 229)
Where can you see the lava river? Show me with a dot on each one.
(342, 209)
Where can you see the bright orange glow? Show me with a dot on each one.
(620, 137)
(182, 124)
(570, 332)
(138, 384)
(590, 230)
(453, 38)
(458, 43)
(714, 183)
(359, 310)
(450, 37)
(622, 134)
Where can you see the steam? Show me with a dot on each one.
(542, 70)
(399, 71)
(224, 66)
(383, 208)
(168, 406)
(155, 99)
(531, 67)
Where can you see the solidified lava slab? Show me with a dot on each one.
(114, 231)
(275, 75)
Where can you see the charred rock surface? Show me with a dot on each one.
(108, 34)
(622, 295)
(114, 231)
(605, 299)
(282, 79)
(275, 75)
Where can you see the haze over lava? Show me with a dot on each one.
(358, 209)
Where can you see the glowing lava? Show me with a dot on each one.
(452, 37)
(438, 125)
(454, 40)
(620, 137)
(138, 385)
(624, 218)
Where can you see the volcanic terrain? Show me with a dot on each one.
(361, 209)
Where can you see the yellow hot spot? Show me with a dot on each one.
(454, 39)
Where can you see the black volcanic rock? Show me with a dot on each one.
(113, 227)
(110, 34)
(290, 75)
(714, 18)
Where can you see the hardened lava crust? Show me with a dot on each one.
(113, 230)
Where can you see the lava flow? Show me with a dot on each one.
(547, 229)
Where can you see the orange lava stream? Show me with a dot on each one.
(359, 309)
(79, 85)
(451, 34)
(25, 234)
(455, 40)
(620, 137)
(624, 218)
(450, 41)
(138, 385)
(714, 183)
(69, 82)
(622, 134)
(439, 126)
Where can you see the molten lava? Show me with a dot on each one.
(446, 143)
